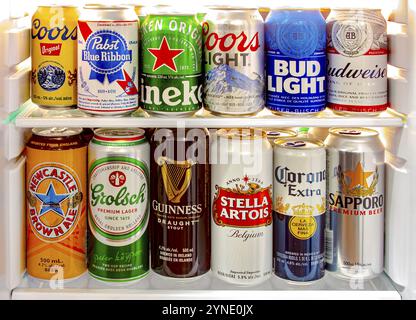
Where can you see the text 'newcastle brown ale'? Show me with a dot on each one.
(180, 202)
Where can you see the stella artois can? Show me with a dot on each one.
(56, 186)
(118, 249)
(355, 219)
(299, 209)
(241, 227)
(278, 134)
(357, 52)
(54, 56)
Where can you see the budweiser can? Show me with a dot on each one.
(234, 60)
(108, 58)
(56, 186)
(357, 61)
(355, 219)
(278, 134)
(241, 235)
(299, 191)
(118, 215)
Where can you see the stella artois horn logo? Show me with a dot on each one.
(246, 205)
(357, 182)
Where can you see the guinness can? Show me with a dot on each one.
(355, 219)
(180, 203)
(241, 161)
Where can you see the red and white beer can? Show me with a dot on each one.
(241, 225)
(357, 61)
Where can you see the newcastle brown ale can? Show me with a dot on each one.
(180, 203)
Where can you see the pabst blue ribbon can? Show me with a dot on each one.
(108, 58)
(354, 232)
(295, 61)
(357, 61)
(234, 60)
(241, 227)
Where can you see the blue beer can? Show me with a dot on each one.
(296, 61)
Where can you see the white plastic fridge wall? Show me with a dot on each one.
(400, 257)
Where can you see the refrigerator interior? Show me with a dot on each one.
(398, 127)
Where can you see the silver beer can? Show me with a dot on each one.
(354, 231)
(241, 225)
(234, 60)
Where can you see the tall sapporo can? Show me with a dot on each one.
(357, 61)
(54, 56)
(171, 79)
(108, 60)
(299, 200)
(233, 60)
(241, 225)
(295, 61)
(354, 231)
(118, 246)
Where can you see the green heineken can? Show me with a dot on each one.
(171, 79)
(118, 211)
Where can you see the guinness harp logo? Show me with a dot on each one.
(176, 176)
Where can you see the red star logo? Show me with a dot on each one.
(246, 179)
(165, 56)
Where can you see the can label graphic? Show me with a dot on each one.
(118, 219)
(108, 66)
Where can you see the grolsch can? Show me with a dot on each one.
(108, 60)
(171, 81)
(54, 56)
(355, 220)
(357, 62)
(279, 134)
(180, 203)
(233, 60)
(299, 200)
(295, 61)
(118, 214)
(56, 186)
(241, 225)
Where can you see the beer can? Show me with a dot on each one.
(299, 199)
(108, 60)
(180, 203)
(54, 56)
(279, 134)
(295, 61)
(357, 62)
(118, 215)
(354, 231)
(171, 81)
(233, 60)
(241, 224)
(56, 185)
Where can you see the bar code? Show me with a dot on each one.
(329, 246)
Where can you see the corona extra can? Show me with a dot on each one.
(118, 215)
(241, 227)
(56, 178)
(54, 56)
(299, 209)
(357, 62)
(355, 220)
(108, 60)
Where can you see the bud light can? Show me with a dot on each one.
(296, 61)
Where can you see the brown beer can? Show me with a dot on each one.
(180, 202)
(56, 177)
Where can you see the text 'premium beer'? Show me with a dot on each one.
(108, 58)
(180, 203)
(357, 57)
(241, 227)
(355, 220)
(234, 60)
(118, 214)
(54, 56)
(56, 183)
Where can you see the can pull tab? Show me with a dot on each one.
(350, 132)
(296, 144)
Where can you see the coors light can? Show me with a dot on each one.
(241, 163)
(354, 229)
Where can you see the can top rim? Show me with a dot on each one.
(58, 6)
(56, 132)
(119, 135)
(299, 143)
(278, 133)
(353, 132)
(354, 9)
(231, 8)
(95, 6)
(242, 134)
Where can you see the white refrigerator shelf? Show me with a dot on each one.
(30, 116)
(208, 288)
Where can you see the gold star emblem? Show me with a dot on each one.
(358, 177)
